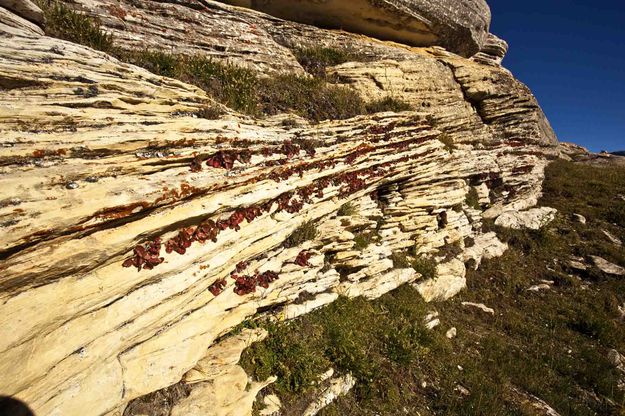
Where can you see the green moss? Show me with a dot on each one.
(65, 23)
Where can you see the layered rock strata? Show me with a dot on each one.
(128, 246)
(460, 26)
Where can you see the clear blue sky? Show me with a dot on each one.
(571, 53)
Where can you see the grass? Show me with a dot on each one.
(388, 104)
(347, 209)
(364, 239)
(422, 265)
(65, 23)
(305, 232)
(316, 60)
(552, 344)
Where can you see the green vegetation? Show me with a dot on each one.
(65, 23)
(363, 239)
(239, 88)
(305, 232)
(347, 209)
(446, 139)
(425, 266)
(210, 112)
(377, 354)
(388, 104)
(473, 199)
(315, 60)
(552, 344)
(422, 265)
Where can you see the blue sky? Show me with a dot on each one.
(572, 56)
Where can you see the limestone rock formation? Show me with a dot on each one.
(104, 165)
(460, 26)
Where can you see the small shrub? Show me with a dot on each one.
(446, 139)
(64, 23)
(347, 209)
(157, 62)
(388, 104)
(473, 198)
(305, 232)
(315, 60)
(311, 98)
(400, 260)
(362, 240)
(425, 266)
(210, 112)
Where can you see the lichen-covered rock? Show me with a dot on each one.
(95, 182)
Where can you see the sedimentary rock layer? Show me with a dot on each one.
(105, 165)
(460, 26)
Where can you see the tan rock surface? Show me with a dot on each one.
(79, 331)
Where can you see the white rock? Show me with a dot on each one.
(607, 267)
(479, 306)
(272, 405)
(338, 387)
(615, 240)
(534, 218)
(449, 282)
(451, 332)
(538, 288)
(579, 218)
(432, 324)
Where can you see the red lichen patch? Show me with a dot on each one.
(302, 258)
(244, 285)
(145, 256)
(217, 287)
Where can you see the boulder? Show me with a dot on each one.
(534, 218)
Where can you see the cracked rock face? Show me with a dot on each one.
(460, 26)
(81, 331)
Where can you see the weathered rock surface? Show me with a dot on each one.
(607, 267)
(534, 218)
(460, 26)
(79, 331)
(25, 9)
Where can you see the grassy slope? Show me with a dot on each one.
(552, 344)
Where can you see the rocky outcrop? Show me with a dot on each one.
(460, 26)
(123, 262)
